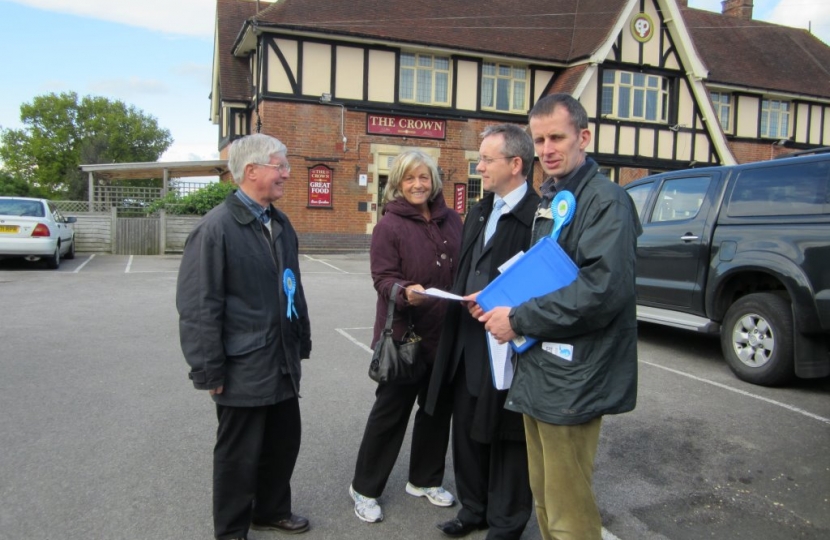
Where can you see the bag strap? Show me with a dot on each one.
(390, 311)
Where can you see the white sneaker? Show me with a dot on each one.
(436, 495)
(366, 508)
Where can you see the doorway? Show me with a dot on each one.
(381, 192)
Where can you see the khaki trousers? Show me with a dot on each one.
(561, 466)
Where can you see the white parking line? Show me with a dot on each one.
(129, 264)
(83, 264)
(342, 331)
(606, 535)
(310, 258)
(743, 393)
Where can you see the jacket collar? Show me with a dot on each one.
(523, 211)
(242, 214)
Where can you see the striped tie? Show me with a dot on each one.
(493, 221)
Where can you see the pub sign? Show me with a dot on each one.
(319, 186)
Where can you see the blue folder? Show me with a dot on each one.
(543, 269)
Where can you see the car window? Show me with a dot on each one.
(680, 198)
(639, 194)
(794, 189)
(21, 208)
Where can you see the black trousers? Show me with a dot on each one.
(492, 479)
(385, 431)
(253, 460)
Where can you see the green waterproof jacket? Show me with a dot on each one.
(585, 362)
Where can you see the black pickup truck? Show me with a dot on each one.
(743, 251)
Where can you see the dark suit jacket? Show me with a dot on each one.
(511, 236)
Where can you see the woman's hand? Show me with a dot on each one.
(415, 298)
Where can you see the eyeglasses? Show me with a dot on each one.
(281, 167)
(490, 160)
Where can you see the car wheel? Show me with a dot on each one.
(54, 261)
(71, 253)
(757, 339)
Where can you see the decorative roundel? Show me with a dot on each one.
(642, 28)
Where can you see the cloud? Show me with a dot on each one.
(811, 14)
(179, 17)
(200, 73)
(190, 152)
(127, 88)
(814, 14)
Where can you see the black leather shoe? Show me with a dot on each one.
(291, 525)
(455, 528)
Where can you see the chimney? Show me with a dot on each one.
(683, 3)
(741, 9)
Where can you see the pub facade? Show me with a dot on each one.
(349, 85)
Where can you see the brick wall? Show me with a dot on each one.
(746, 152)
(312, 134)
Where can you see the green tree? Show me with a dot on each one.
(60, 132)
(199, 202)
(15, 187)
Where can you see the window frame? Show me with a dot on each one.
(417, 71)
(509, 78)
(723, 110)
(474, 195)
(766, 112)
(624, 86)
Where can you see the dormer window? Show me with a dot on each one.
(635, 96)
(504, 88)
(425, 79)
(775, 119)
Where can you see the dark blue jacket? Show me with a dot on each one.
(233, 323)
(596, 314)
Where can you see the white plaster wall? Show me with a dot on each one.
(316, 69)
(382, 76)
(348, 82)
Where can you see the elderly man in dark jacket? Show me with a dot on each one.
(489, 453)
(585, 362)
(243, 325)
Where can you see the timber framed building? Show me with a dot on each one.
(349, 85)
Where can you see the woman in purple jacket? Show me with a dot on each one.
(415, 245)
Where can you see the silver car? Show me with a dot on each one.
(35, 229)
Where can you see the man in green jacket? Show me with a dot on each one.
(584, 364)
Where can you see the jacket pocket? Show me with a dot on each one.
(238, 344)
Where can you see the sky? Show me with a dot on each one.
(158, 54)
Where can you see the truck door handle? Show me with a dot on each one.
(688, 237)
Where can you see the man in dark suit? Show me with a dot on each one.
(489, 451)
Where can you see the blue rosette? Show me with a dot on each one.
(562, 207)
(289, 285)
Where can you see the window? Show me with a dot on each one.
(775, 119)
(786, 190)
(425, 79)
(680, 199)
(723, 109)
(504, 88)
(635, 96)
(607, 171)
(474, 191)
(639, 195)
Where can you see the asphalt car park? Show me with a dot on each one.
(103, 436)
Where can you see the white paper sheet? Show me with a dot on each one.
(500, 362)
(438, 293)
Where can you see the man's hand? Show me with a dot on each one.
(497, 322)
(216, 391)
(472, 306)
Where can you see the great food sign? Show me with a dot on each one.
(319, 187)
(405, 126)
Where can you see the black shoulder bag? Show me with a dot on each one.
(396, 361)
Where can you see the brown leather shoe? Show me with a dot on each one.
(291, 525)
